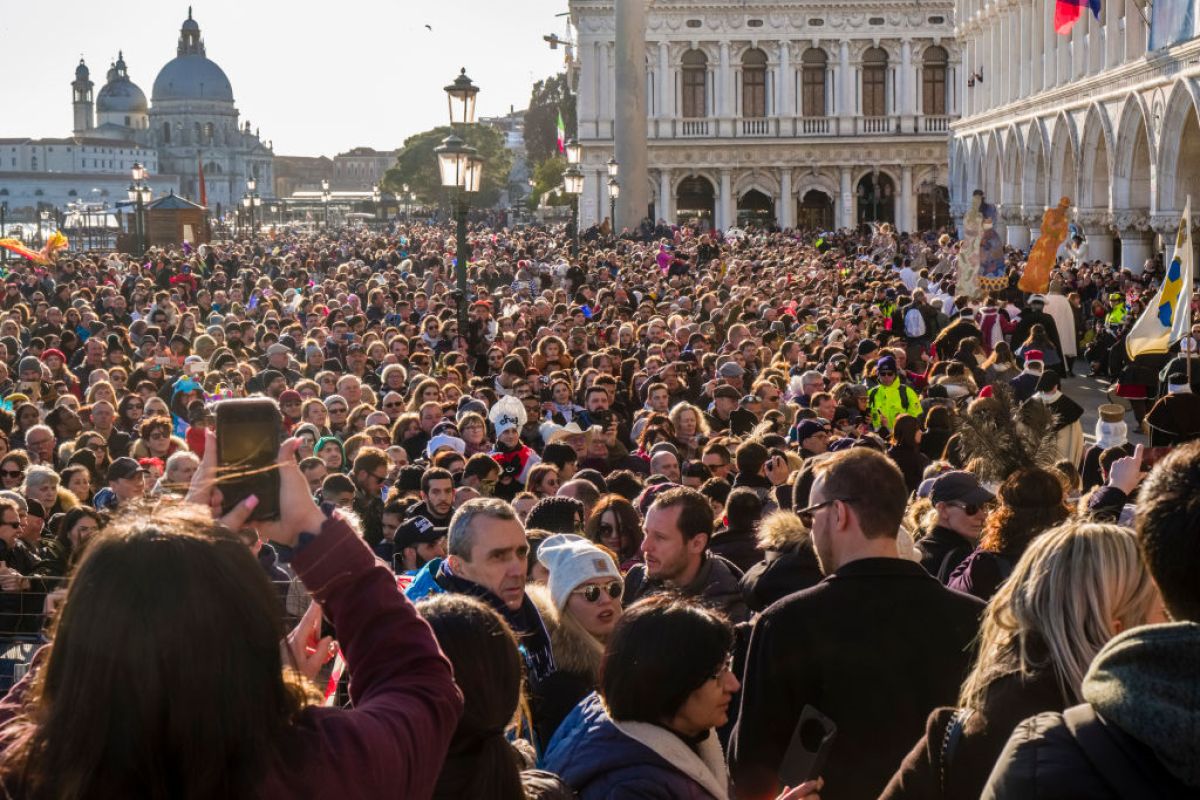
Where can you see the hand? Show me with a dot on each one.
(53, 601)
(1126, 473)
(805, 791)
(308, 652)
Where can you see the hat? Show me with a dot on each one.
(268, 376)
(445, 440)
(123, 467)
(961, 486)
(278, 349)
(886, 363)
(571, 561)
(727, 392)
(468, 404)
(197, 412)
(808, 427)
(1111, 412)
(30, 364)
(509, 412)
(867, 346)
(444, 426)
(52, 351)
(1035, 355)
(1037, 298)
(417, 530)
(289, 395)
(35, 509)
(730, 369)
(556, 433)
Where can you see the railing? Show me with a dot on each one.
(875, 124)
(692, 128)
(935, 124)
(757, 126)
(814, 126)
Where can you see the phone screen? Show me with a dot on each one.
(248, 436)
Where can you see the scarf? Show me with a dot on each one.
(525, 621)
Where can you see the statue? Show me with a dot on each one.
(993, 272)
(1042, 256)
(968, 251)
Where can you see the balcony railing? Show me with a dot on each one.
(813, 126)
(875, 124)
(781, 127)
(692, 128)
(935, 124)
(758, 126)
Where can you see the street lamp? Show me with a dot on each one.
(326, 196)
(461, 172)
(376, 197)
(573, 185)
(407, 201)
(613, 167)
(251, 201)
(139, 195)
(614, 191)
(574, 151)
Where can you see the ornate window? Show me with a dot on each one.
(874, 82)
(166, 133)
(812, 82)
(933, 80)
(694, 80)
(754, 83)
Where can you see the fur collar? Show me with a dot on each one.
(706, 768)
(571, 653)
(781, 530)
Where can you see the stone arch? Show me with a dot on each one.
(808, 181)
(974, 168)
(678, 178)
(1179, 148)
(1011, 167)
(1095, 160)
(753, 179)
(1134, 161)
(991, 168)
(959, 157)
(1033, 174)
(1064, 161)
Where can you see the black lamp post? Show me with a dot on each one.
(3, 232)
(573, 185)
(251, 201)
(461, 171)
(376, 198)
(139, 194)
(614, 191)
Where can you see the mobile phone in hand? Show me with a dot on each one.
(809, 749)
(249, 432)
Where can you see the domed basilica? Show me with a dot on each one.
(190, 120)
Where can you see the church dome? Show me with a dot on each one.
(191, 75)
(120, 95)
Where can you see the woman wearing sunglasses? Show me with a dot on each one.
(580, 604)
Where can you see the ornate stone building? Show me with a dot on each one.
(816, 114)
(1097, 115)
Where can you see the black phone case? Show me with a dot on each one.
(800, 762)
(263, 484)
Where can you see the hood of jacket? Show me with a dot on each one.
(424, 583)
(572, 653)
(781, 530)
(590, 748)
(1146, 681)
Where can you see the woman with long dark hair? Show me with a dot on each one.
(617, 525)
(906, 453)
(174, 615)
(1031, 501)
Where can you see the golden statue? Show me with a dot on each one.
(1043, 254)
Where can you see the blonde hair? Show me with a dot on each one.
(1057, 608)
(679, 409)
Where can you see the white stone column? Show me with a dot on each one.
(604, 88)
(586, 97)
(907, 219)
(589, 207)
(724, 95)
(783, 106)
(1136, 247)
(846, 206)
(1049, 48)
(1113, 40)
(846, 91)
(905, 85)
(1079, 46)
(666, 105)
(663, 208)
(630, 124)
(1135, 35)
(726, 213)
(785, 207)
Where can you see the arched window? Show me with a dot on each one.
(166, 133)
(812, 82)
(694, 79)
(754, 83)
(933, 80)
(874, 82)
(72, 193)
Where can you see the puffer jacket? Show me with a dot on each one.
(1145, 686)
(717, 585)
(601, 758)
(789, 563)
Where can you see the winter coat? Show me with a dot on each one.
(738, 546)
(912, 463)
(576, 674)
(876, 647)
(942, 551)
(981, 573)
(717, 585)
(1144, 686)
(602, 759)
(789, 563)
(938, 769)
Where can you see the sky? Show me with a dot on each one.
(316, 77)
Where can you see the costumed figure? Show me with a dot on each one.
(993, 274)
(1042, 256)
(968, 251)
(514, 457)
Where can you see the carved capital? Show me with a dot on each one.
(1129, 219)
(1012, 215)
(1166, 223)
(1094, 220)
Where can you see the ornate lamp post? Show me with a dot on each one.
(573, 185)
(326, 196)
(376, 198)
(461, 172)
(251, 201)
(139, 195)
(3, 232)
(614, 191)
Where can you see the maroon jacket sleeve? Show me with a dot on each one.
(405, 703)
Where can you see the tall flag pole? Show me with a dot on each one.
(1168, 318)
(1068, 12)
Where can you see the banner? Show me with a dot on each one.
(1168, 318)
(1042, 256)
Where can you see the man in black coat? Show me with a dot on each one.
(876, 646)
(1034, 313)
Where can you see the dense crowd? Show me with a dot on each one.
(610, 531)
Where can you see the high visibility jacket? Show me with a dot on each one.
(886, 403)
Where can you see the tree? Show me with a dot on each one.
(547, 176)
(541, 120)
(416, 165)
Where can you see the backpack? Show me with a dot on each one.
(914, 323)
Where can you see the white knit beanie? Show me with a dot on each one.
(573, 560)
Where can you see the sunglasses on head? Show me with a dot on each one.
(591, 592)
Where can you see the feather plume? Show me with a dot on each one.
(1004, 437)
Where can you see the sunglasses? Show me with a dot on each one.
(12, 473)
(806, 514)
(592, 591)
(970, 509)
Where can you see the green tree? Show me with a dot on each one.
(547, 176)
(541, 119)
(416, 165)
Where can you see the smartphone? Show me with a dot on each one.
(162, 361)
(1151, 455)
(249, 432)
(809, 749)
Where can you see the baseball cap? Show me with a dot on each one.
(807, 428)
(418, 530)
(960, 486)
(730, 369)
(727, 392)
(123, 467)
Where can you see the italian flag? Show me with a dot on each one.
(562, 134)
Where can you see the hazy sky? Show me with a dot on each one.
(317, 77)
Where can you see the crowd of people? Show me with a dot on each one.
(604, 526)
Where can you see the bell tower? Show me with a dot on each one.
(81, 94)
